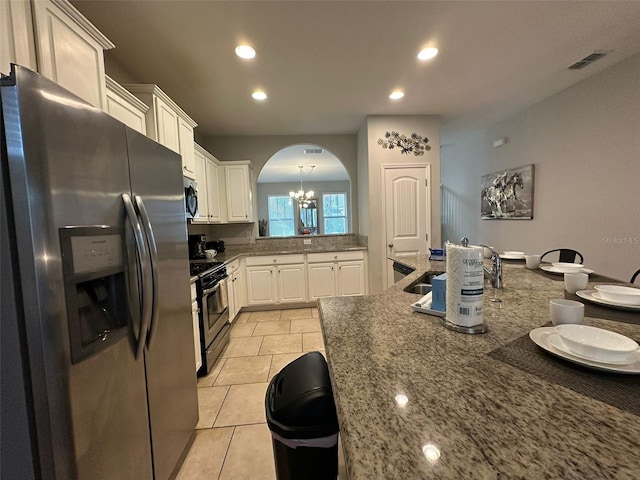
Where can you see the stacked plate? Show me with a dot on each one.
(512, 255)
(615, 296)
(590, 346)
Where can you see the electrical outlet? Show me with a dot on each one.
(307, 241)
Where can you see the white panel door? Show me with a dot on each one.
(213, 191)
(292, 283)
(261, 286)
(351, 278)
(406, 210)
(322, 280)
(167, 125)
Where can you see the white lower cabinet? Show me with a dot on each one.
(336, 274)
(276, 279)
(195, 310)
(234, 289)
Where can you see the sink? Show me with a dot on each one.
(418, 285)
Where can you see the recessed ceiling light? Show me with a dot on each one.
(396, 95)
(428, 53)
(259, 95)
(245, 51)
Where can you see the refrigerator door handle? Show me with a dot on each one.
(153, 254)
(141, 251)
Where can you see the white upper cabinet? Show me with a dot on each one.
(70, 50)
(201, 180)
(124, 106)
(238, 187)
(17, 43)
(213, 190)
(168, 124)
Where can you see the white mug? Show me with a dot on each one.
(565, 311)
(533, 261)
(575, 281)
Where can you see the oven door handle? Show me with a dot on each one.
(209, 291)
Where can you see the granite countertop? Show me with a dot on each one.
(233, 252)
(477, 416)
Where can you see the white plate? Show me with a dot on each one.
(556, 341)
(544, 338)
(594, 297)
(555, 271)
(512, 256)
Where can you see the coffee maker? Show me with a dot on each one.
(197, 246)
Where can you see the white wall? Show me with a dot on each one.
(376, 126)
(585, 144)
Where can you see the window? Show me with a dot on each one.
(281, 223)
(335, 212)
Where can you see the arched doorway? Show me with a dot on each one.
(303, 189)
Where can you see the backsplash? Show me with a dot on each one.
(297, 243)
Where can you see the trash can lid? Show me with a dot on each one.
(299, 400)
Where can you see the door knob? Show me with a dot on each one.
(390, 245)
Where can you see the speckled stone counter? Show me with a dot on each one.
(467, 416)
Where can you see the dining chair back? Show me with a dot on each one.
(635, 276)
(566, 255)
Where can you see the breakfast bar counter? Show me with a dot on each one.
(416, 400)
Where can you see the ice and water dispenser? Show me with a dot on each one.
(94, 269)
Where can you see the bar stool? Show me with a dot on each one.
(566, 255)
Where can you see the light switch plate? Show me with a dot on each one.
(307, 241)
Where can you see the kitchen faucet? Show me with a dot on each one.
(495, 273)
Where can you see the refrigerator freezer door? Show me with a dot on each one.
(156, 177)
(68, 165)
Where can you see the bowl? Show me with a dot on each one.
(210, 254)
(619, 294)
(563, 267)
(596, 343)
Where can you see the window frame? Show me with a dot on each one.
(292, 219)
(326, 217)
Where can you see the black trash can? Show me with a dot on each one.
(302, 418)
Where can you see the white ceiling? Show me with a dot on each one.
(326, 65)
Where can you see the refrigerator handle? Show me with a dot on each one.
(153, 254)
(141, 251)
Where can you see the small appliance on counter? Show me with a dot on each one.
(217, 245)
(197, 246)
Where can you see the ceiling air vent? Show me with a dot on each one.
(588, 60)
(312, 151)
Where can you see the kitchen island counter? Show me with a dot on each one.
(416, 400)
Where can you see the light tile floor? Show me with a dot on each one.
(233, 440)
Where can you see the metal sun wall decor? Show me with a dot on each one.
(416, 144)
(508, 194)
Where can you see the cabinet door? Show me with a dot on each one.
(16, 36)
(231, 300)
(196, 335)
(185, 144)
(238, 194)
(213, 191)
(351, 278)
(201, 180)
(120, 109)
(292, 285)
(166, 125)
(322, 282)
(238, 291)
(261, 286)
(70, 50)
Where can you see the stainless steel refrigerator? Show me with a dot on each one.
(98, 376)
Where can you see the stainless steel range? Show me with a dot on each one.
(214, 313)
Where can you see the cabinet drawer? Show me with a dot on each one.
(335, 256)
(275, 260)
(232, 267)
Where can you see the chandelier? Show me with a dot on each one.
(303, 198)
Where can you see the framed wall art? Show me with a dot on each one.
(508, 195)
